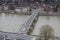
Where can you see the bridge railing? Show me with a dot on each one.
(27, 24)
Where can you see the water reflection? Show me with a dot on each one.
(11, 22)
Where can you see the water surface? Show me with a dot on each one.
(53, 21)
(12, 22)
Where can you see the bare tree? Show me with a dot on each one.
(11, 7)
(46, 33)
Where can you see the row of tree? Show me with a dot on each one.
(16, 1)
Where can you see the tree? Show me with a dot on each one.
(11, 7)
(46, 33)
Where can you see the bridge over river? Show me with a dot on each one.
(36, 19)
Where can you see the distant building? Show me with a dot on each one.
(26, 2)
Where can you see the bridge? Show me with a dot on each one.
(25, 30)
(23, 33)
(30, 22)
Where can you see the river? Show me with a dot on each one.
(11, 22)
(53, 21)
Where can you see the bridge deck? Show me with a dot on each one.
(27, 25)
